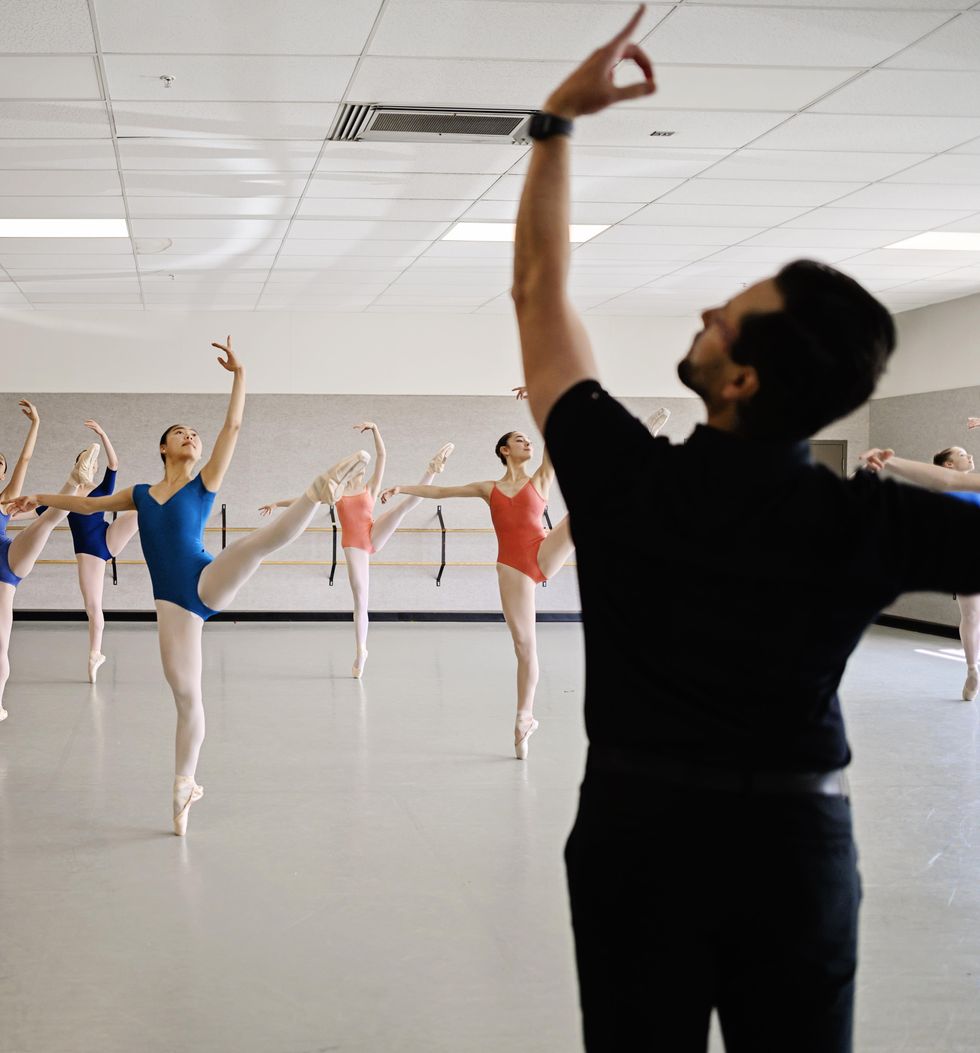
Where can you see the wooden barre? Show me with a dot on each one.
(288, 563)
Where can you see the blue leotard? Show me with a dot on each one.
(172, 536)
(966, 495)
(88, 531)
(7, 576)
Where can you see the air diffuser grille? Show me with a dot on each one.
(411, 124)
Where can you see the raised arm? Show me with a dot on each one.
(930, 476)
(213, 473)
(555, 346)
(439, 492)
(545, 475)
(16, 484)
(117, 502)
(266, 510)
(112, 461)
(374, 486)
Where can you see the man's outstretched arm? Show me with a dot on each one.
(554, 344)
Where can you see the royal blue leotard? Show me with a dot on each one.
(172, 536)
(966, 495)
(7, 576)
(88, 531)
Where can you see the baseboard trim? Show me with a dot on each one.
(918, 625)
(300, 616)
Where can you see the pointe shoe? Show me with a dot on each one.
(83, 474)
(326, 487)
(357, 669)
(438, 462)
(95, 661)
(521, 736)
(186, 792)
(657, 420)
(972, 684)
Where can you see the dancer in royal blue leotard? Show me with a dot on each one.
(96, 542)
(19, 554)
(189, 584)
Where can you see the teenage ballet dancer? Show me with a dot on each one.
(951, 472)
(96, 542)
(18, 555)
(189, 584)
(361, 535)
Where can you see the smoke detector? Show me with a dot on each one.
(373, 122)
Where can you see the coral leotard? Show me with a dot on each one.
(356, 521)
(517, 522)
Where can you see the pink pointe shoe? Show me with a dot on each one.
(657, 420)
(357, 669)
(95, 662)
(83, 474)
(438, 462)
(523, 730)
(972, 684)
(327, 487)
(186, 792)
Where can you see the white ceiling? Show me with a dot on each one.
(823, 128)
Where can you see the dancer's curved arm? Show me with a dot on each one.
(374, 486)
(930, 476)
(266, 510)
(438, 492)
(554, 343)
(213, 473)
(112, 461)
(13, 488)
(121, 501)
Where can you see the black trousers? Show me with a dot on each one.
(685, 900)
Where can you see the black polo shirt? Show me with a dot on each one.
(725, 583)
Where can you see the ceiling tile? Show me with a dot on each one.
(59, 183)
(474, 250)
(232, 227)
(916, 92)
(708, 215)
(50, 77)
(403, 185)
(670, 257)
(344, 263)
(915, 196)
(822, 131)
(213, 184)
(494, 29)
(207, 248)
(54, 120)
(916, 258)
(62, 207)
(49, 262)
(955, 45)
(812, 165)
(709, 191)
(971, 147)
(366, 229)
(197, 274)
(381, 208)
(252, 156)
(967, 224)
(188, 207)
(689, 235)
(47, 246)
(590, 188)
(855, 239)
(218, 261)
(948, 168)
(223, 27)
(889, 5)
(651, 161)
(46, 26)
(47, 154)
(11, 296)
(873, 219)
(340, 247)
(690, 128)
(217, 120)
(884, 271)
(582, 212)
(786, 37)
(261, 78)
(380, 158)
(778, 256)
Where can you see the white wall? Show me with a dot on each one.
(312, 353)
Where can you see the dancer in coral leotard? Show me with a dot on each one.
(362, 535)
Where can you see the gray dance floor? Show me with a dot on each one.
(371, 870)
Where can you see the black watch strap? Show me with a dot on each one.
(545, 125)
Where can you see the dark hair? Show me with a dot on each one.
(818, 358)
(163, 441)
(943, 456)
(504, 440)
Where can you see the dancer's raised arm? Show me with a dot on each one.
(437, 492)
(930, 476)
(213, 473)
(117, 502)
(112, 461)
(374, 486)
(554, 343)
(16, 484)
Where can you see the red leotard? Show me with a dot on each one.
(356, 521)
(517, 522)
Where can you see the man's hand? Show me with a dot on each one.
(591, 89)
(876, 459)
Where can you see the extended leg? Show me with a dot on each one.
(970, 637)
(120, 532)
(555, 549)
(91, 578)
(358, 574)
(517, 599)
(388, 522)
(6, 623)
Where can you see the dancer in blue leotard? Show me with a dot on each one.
(19, 554)
(189, 584)
(96, 542)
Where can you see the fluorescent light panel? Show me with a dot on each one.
(945, 241)
(577, 232)
(63, 228)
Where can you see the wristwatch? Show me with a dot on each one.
(545, 125)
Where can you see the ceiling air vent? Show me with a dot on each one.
(358, 122)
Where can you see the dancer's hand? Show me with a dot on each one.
(876, 459)
(591, 89)
(521, 392)
(96, 427)
(229, 362)
(29, 410)
(24, 503)
(392, 491)
(366, 425)
(973, 422)
(267, 510)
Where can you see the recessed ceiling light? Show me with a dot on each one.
(941, 240)
(577, 232)
(63, 228)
